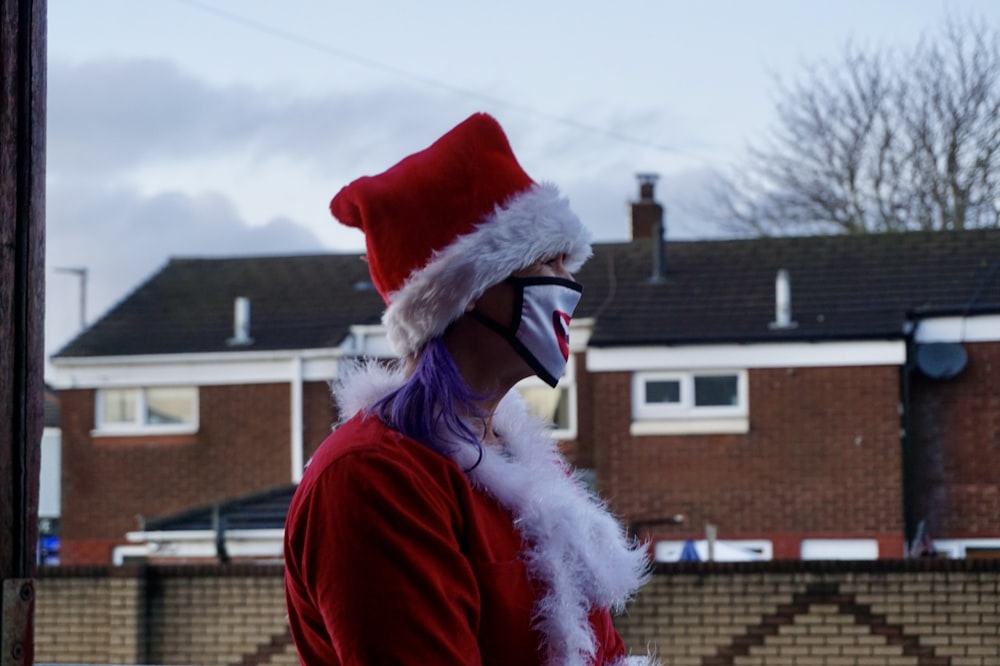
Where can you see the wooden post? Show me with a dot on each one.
(22, 355)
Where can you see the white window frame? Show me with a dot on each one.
(568, 383)
(839, 549)
(958, 548)
(139, 426)
(669, 551)
(684, 417)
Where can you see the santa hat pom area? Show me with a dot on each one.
(446, 223)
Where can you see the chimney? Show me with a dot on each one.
(648, 222)
(241, 322)
(782, 302)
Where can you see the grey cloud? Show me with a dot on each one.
(113, 115)
(123, 238)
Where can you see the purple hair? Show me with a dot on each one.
(430, 405)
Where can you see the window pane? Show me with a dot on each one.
(170, 405)
(715, 391)
(118, 405)
(548, 403)
(663, 391)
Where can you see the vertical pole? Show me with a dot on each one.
(298, 434)
(22, 252)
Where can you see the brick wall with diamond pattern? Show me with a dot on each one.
(879, 613)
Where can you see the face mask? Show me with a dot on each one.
(540, 330)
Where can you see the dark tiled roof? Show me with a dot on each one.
(296, 302)
(265, 510)
(842, 287)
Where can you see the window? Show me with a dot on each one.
(972, 549)
(551, 404)
(839, 549)
(720, 391)
(556, 405)
(154, 409)
(689, 402)
(663, 391)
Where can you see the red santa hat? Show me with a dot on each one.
(450, 221)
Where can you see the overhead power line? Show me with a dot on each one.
(429, 82)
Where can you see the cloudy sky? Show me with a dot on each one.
(221, 127)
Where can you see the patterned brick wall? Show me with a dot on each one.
(162, 615)
(213, 619)
(879, 613)
(88, 615)
(884, 613)
(242, 447)
(821, 459)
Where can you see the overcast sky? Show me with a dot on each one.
(220, 127)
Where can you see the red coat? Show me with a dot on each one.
(393, 557)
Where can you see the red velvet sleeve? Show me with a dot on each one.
(610, 647)
(375, 550)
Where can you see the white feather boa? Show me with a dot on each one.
(574, 546)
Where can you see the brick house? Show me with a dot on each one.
(805, 397)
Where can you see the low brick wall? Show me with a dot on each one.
(162, 615)
(883, 613)
(880, 613)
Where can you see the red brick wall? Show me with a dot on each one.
(821, 459)
(584, 449)
(242, 447)
(318, 417)
(955, 448)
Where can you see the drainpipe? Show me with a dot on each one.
(659, 274)
(219, 526)
(906, 438)
(296, 419)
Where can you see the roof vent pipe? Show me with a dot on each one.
(782, 302)
(241, 322)
(659, 273)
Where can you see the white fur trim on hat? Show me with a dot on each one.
(535, 224)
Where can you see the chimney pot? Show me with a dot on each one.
(647, 214)
(647, 183)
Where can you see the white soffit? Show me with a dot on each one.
(769, 355)
(579, 333)
(959, 329)
(194, 369)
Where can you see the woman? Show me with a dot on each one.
(438, 524)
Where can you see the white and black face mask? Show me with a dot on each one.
(539, 332)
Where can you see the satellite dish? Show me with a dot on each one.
(941, 360)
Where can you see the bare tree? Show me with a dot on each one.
(881, 141)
